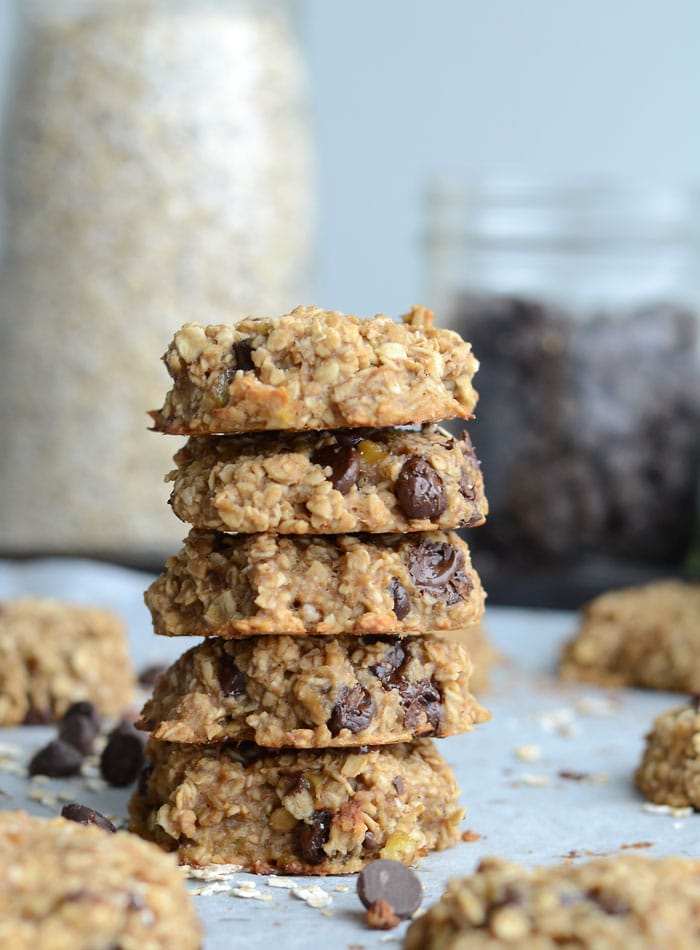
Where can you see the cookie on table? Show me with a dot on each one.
(300, 812)
(315, 369)
(628, 901)
(639, 636)
(669, 773)
(348, 480)
(68, 885)
(314, 692)
(243, 585)
(53, 654)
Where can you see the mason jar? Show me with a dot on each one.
(157, 169)
(581, 302)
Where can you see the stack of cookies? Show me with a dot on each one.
(321, 561)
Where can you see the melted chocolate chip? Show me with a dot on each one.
(312, 836)
(392, 882)
(344, 463)
(58, 759)
(86, 816)
(392, 661)
(231, 680)
(123, 757)
(298, 783)
(436, 566)
(354, 710)
(421, 699)
(370, 842)
(402, 603)
(144, 775)
(419, 489)
(243, 355)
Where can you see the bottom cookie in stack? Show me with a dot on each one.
(326, 811)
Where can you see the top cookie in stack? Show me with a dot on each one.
(322, 534)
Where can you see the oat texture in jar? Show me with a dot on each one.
(156, 166)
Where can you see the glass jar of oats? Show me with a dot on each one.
(581, 300)
(156, 169)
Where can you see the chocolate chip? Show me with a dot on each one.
(243, 355)
(79, 731)
(419, 489)
(149, 675)
(86, 816)
(436, 566)
(354, 710)
(57, 760)
(231, 680)
(392, 882)
(344, 463)
(37, 717)
(312, 836)
(123, 756)
(402, 603)
(87, 709)
(392, 661)
(296, 784)
(370, 842)
(421, 699)
(398, 784)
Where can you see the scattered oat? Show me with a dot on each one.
(313, 895)
(9, 751)
(283, 882)
(211, 872)
(341, 887)
(681, 812)
(597, 705)
(536, 780)
(528, 753)
(559, 721)
(39, 779)
(95, 784)
(206, 890)
(47, 799)
(250, 893)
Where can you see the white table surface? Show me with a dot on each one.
(522, 809)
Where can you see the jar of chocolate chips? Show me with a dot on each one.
(581, 302)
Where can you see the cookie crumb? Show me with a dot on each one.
(470, 835)
(528, 753)
(381, 916)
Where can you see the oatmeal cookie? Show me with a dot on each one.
(669, 773)
(314, 692)
(347, 480)
(315, 369)
(238, 585)
(69, 886)
(320, 812)
(53, 654)
(629, 901)
(640, 636)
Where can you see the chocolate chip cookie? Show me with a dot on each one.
(329, 482)
(53, 654)
(238, 585)
(315, 369)
(628, 901)
(669, 773)
(640, 636)
(321, 812)
(68, 885)
(314, 692)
